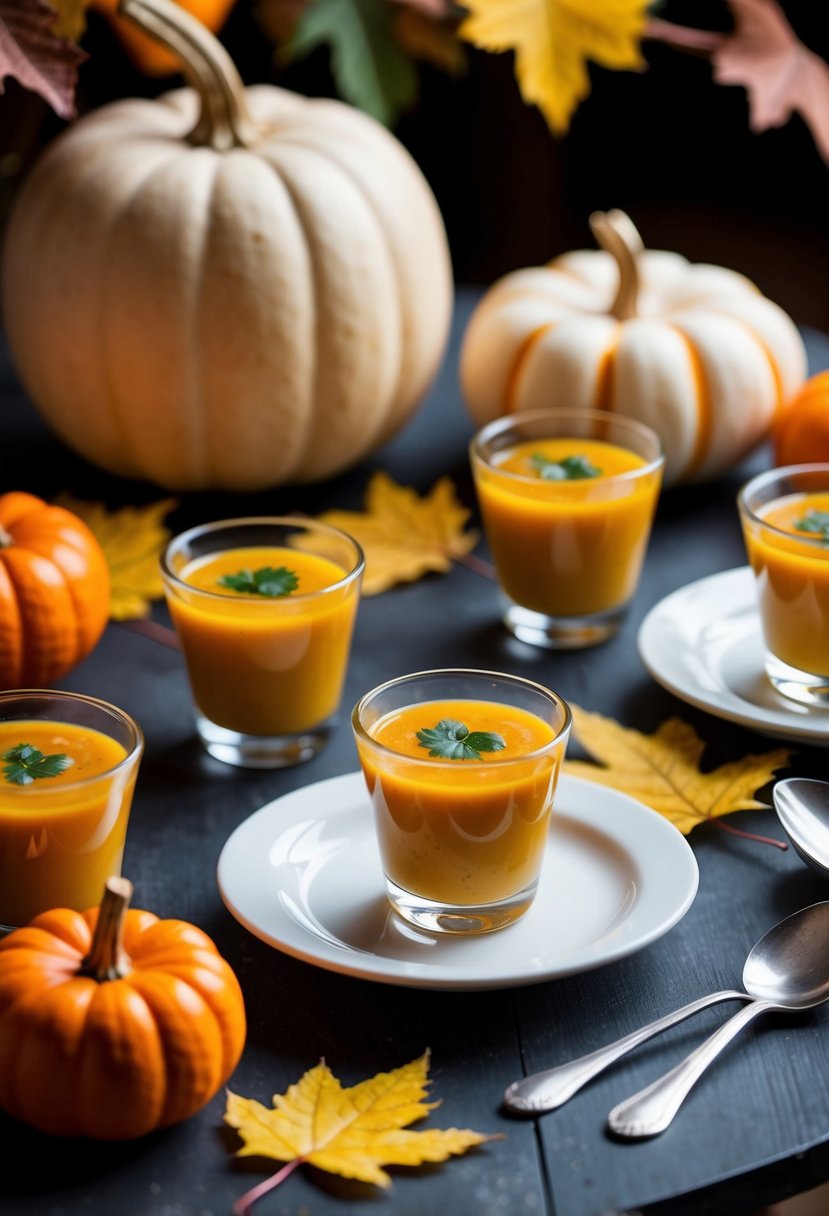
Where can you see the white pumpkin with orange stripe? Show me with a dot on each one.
(695, 351)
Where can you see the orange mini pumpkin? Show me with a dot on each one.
(801, 435)
(54, 591)
(114, 1023)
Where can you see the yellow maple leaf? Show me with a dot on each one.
(662, 770)
(132, 539)
(350, 1132)
(404, 536)
(553, 40)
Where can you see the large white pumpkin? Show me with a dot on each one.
(225, 288)
(695, 351)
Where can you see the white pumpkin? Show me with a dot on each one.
(225, 288)
(694, 351)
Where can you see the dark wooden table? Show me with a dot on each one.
(755, 1129)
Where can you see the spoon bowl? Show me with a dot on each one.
(802, 806)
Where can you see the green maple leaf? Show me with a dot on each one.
(371, 69)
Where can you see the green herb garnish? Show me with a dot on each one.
(24, 763)
(571, 468)
(269, 581)
(452, 740)
(816, 522)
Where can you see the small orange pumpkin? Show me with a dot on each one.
(148, 55)
(54, 591)
(801, 435)
(113, 1022)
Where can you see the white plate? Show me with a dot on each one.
(303, 874)
(703, 643)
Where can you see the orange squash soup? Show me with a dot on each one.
(266, 633)
(789, 553)
(62, 831)
(467, 830)
(567, 521)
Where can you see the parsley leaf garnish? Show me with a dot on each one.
(269, 581)
(571, 468)
(24, 763)
(451, 740)
(816, 522)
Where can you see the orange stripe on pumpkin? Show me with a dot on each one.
(523, 353)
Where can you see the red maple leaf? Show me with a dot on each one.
(35, 56)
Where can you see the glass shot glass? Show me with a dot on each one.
(461, 768)
(68, 765)
(784, 514)
(264, 609)
(567, 499)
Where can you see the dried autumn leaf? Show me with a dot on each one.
(404, 536)
(553, 41)
(132, 539)
(35, 56)
(351, 1132)
(662, 770)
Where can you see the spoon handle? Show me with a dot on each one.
(547, 1090)
(652, 1109)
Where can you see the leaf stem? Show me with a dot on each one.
(245, 1202)
(727, 827)
(484, 568)
(152, 629)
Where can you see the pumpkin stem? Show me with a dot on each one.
(224, 121)
(107, 958)
(5, 539)
(616, 233)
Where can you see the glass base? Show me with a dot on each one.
(261, 751)
(460, 920)
(562, 633)
(796, 685)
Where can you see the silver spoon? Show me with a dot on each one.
(790, 973)
(543, 1091)
(802, 805)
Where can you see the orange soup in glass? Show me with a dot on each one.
(264, 610)
(785, 519)
(461, 768)
(567, 499)
(68, 765)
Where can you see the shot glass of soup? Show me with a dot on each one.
(567, 499)
(68, 765)
(461, 768)
(264, 609)
(784, 515)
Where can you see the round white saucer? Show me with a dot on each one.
(303, 874)
(703, 643)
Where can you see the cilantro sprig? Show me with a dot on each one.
(571, 468)
(816, 522)
(452, 740)
(23, 764)
(270, 581)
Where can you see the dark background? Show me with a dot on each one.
(668, 145)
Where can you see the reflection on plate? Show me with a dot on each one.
(703, 643)
(303, 874)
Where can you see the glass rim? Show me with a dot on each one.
(263, 602)
(760, 480)
(522, 681)
(60, 695)
(506, 421)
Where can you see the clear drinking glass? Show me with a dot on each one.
(567, 499)
(784, 515)
(62, 827)
(264, 609)
(461, 840)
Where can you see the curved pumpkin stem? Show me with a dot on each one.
(224, 121)
(616, 233)
(107, 958)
